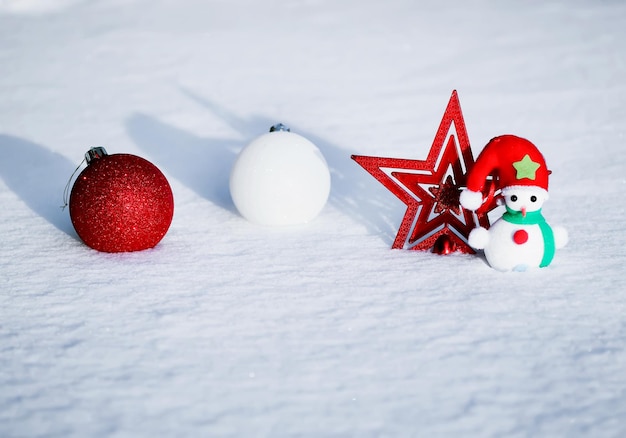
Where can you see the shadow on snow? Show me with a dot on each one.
(38, 176)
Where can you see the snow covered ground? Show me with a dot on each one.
(231, 329)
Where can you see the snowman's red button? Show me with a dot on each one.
(520, 237)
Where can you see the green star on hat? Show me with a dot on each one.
(526, 168)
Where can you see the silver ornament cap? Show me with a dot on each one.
(95, 153)
(280, 127)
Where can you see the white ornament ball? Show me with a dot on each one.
(280, 178)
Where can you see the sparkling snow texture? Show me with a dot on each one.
(231, 329)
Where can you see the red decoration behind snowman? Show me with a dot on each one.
(521, 239)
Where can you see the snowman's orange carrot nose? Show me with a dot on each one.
(523, 211)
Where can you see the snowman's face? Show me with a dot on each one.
(524, 198)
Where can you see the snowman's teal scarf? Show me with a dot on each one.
(534, 218)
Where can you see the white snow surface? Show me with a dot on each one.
(231, 329)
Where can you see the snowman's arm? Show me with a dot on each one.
(478, 238)
(560, 237)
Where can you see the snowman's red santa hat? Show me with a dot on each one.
(513, 160)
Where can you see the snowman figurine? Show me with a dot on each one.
(521, 239)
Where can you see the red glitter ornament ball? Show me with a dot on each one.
(120, 203)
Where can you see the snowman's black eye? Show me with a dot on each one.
(533, 198)
(513, 198)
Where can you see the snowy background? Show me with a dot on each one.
(231, 329)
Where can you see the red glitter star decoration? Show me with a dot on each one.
(434, 220)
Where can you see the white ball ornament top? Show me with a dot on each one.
(280, 178)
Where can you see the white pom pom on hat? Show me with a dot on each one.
(471, 200)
